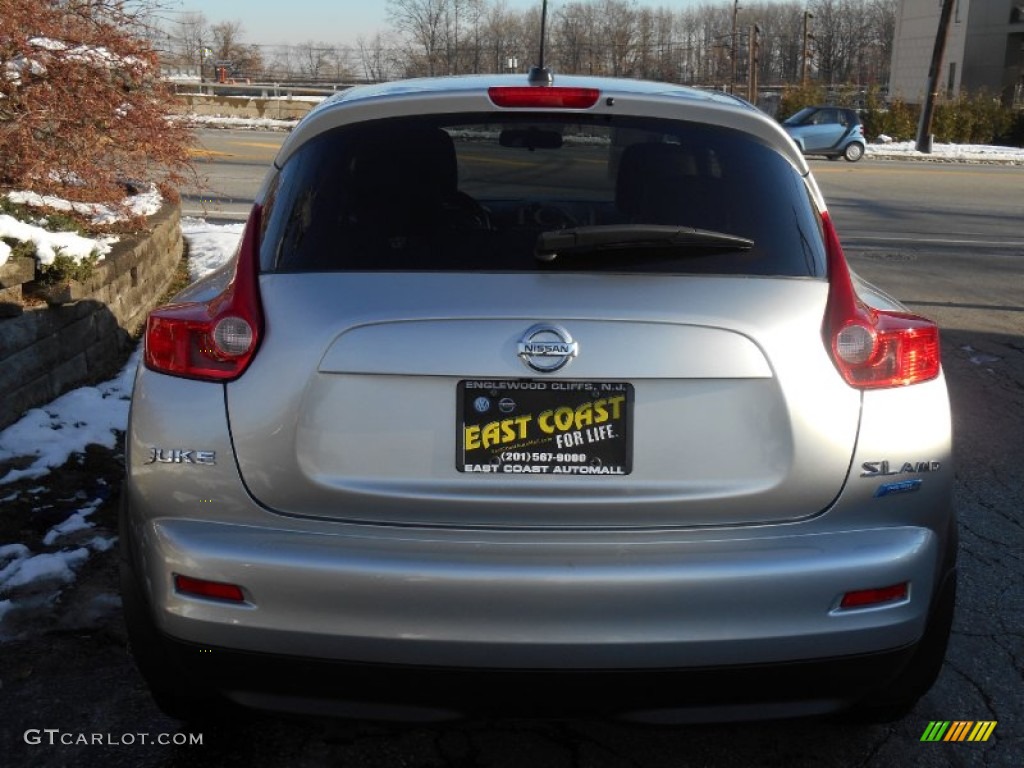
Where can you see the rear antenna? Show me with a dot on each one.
(539, 74)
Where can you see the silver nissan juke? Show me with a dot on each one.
(539, 398)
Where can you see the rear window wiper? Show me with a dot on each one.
(619, 237)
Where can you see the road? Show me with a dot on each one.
(231, 165)
(944, 238)
(948, 240)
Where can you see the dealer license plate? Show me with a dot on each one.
(544, 427)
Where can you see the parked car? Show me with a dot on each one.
(546, 399)
(832, 132)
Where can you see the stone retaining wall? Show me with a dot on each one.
(82, 337)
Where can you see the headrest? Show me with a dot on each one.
(419, 159)
(649, 174)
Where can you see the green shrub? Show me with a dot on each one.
(897, 120)
(56, 221)
(967, 119)
(21, 248)
(1014, 135)
(795, 99)
(873, 114)
(971, 119)
(64, 269)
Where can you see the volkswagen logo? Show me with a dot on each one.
(547, 348)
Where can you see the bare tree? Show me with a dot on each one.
(709, 45)
(279, 62)
(501, 38)
(617, 28)
(838, 32)
(880, 16)
(193, 39)
(342, 65)
(377, 57)
(655, 57)
(667, 51)
(620, 37)
(315, 60)
(459, 18)
(781, 43)
(422, 22)
(227, 46)
(572, 36)
(226, 36)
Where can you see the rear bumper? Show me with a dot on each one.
(485, 600)
(406, 692)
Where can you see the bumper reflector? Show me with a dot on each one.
(862, 598)
(215, 590)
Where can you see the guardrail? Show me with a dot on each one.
(255, 90)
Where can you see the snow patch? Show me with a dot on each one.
(68, 424)
(96, 55)
(210, 246)
(49, 244)
(49, 566)
(10, 552)
(965, 153)
(101, 543)
(248, 123)
(96, 414)
(142, 204)
(76, 522)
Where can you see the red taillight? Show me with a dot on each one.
(217, 590)
(544, 96)
(863, 598)
(213, 340)
(874, 348)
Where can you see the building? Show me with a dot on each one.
(984, 49)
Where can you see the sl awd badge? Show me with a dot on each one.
(547, 348)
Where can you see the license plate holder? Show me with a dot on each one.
(534, 427)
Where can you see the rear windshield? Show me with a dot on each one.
(520, 192)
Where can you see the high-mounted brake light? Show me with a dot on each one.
(213, 340)
(549, 97)
(874, 348)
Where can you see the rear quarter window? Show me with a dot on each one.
(475, 192)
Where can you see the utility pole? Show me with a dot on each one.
(924, 126)
(755, 51)
(807, 52)
(735, 44)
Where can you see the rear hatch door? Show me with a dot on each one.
(686, 401)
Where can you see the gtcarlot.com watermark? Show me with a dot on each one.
(56, 737)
